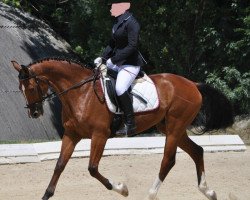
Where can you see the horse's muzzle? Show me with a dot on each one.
(36, 112)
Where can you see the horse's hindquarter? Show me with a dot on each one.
(164, 88)
(165, 92)
(172, 86)
(177, 94)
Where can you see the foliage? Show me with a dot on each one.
(15, 3)
(235, 85)
(201, 40)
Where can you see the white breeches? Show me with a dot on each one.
(126, 76)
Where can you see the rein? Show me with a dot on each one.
(52, 95)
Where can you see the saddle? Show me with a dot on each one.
(143, 94)
(110, 87)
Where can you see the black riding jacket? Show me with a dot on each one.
(122, 48)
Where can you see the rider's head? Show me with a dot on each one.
(118, 7)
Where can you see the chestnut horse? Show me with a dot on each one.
(84, 115)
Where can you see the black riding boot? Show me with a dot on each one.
(127, 107)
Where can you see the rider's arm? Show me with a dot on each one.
(108, 52)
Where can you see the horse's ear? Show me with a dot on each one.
(16, 65)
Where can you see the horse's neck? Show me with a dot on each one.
(61, 75)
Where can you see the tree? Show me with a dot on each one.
(202, 40)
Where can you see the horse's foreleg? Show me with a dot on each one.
(168, 162)
(196, 153)
(96, 152)
(68, 145)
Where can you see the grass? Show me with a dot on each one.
(26, 142)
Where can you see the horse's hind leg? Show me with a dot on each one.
(196, 153)
(175, 127)
(69, 142)
(97, 147)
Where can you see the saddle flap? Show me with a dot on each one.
(110, 86)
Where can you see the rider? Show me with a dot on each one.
(122, 56)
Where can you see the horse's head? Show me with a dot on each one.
(33, 89)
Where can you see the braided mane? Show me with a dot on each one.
(69, 60)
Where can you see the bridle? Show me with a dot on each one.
(52, 95)
(37, 103)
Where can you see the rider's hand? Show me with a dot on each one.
(98, 61)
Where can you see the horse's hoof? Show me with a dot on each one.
(124, 189)
(120, 188)
(152, 195)
(47, 195)
(210, 194)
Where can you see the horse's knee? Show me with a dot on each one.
(93, 170)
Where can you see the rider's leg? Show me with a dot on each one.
(129, 119)
(126, 76)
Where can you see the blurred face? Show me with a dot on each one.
(119, 8)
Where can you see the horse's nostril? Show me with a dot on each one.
(35, 114)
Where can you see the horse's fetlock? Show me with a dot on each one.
(93, 170)
(48, 193)
(108, 185)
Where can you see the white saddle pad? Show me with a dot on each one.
(143, 87)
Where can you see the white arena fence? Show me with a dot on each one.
(37, 152)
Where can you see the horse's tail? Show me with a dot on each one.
(216, 111)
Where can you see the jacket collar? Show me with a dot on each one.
(121, 19)
(124, 16)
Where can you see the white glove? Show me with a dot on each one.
(98, 61)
